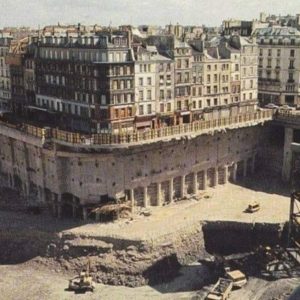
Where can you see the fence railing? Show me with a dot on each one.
(139, 136)
(288, 115)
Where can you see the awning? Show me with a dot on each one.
(184, 113)
(144, 124)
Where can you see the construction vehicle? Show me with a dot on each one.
(237, 277)
(221, 290)
(82, 282)
(253, 207)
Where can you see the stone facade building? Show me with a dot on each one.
(5, 84)
(154, 84)
(183, 74)
(106, 81)
(88, 81)
(279, 66)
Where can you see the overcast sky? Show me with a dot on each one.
(160, 12)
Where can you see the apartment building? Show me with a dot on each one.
(183, 73)
(86, 82)
(248, 66)
(97, 81)
(154, 84)
(279, 65)
(145, 88)
(216, 78)
(5, 85)
(20, 59)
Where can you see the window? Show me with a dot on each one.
(261, 52)
(103, 99)
(149, 81)
(169, 94)
(251, 84)
(141, 81)
(149, 110)
(236, 67)
(269, 52)
(141, 109)
(179, 105)
(168, 106)
(186, 104)
(208, 90)
(149, 96)
(292, 54)
(278, 52)
(215, 101)
(208, 102)
(162, 107)
(194, 91)
(161, 94)
(141, 95)
(208, 67)
(161, 79)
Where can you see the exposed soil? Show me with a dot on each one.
(145, 250)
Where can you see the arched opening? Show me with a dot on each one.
(67, 205)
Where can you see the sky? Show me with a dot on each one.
(137, 12)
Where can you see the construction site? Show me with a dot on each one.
(171, 216)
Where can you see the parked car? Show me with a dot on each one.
(271, 106)
(253, 207)
(287, 107)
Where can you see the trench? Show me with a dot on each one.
(226, 238)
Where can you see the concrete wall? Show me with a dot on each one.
(150, 174)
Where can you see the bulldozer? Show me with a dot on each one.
(83, 282)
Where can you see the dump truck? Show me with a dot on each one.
(221, 290)
(237, 277)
